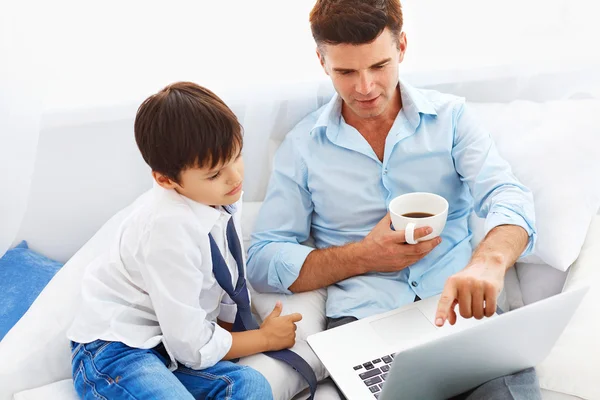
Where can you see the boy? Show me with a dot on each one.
(156, 318)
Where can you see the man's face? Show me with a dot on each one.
(365, 75)
(220, 186)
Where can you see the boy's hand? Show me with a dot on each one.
(280, 331)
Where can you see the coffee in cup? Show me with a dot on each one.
(415, 210)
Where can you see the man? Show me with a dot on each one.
(337, 171)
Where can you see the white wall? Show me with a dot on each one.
(72, 54)
(110, 49)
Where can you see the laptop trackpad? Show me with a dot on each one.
(404, 327)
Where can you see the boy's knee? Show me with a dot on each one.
(257, 383)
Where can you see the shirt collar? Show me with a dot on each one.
(414, 103)
(207, 215)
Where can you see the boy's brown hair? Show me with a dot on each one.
(184, 126)
(354, 21)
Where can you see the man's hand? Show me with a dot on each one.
(387, 250)
(382, 250)
(475, 290)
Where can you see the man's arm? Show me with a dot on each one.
(508, 208)
(278, 262)
(476, 288)
(382, 250)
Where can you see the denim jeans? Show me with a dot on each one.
(112, 370)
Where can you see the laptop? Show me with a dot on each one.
(401, 354)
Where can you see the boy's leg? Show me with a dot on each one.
(112, 370)
(225, 380)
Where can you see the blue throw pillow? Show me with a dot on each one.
(23, 275)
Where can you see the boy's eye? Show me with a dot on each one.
(215, 176)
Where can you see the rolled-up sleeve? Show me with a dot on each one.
(172, 263)
(498, 195)
(276, 255)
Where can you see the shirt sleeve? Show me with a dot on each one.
(276, 254)
(498, 195)
(171, 266)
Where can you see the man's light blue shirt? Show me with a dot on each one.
(328, 184)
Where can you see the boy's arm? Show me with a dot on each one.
(172, 267)
(277, 332)
(246, 344)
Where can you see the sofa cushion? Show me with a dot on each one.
(539, 281)
(37, 346)
(23, 275)
(312, 307)
(61, 390)
(552, 148)
(572, 365)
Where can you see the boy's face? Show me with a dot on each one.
(220, 186)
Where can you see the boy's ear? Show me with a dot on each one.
(164, 181)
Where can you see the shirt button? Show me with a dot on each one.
(414, 283)
(385, 171)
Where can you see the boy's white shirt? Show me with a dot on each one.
(155, 282)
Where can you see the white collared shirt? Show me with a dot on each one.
(155, 282)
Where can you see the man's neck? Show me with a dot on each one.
(378, 125)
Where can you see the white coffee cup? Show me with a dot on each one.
(419, 203)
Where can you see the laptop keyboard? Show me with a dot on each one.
(373, 373)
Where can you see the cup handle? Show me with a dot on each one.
(409, 233)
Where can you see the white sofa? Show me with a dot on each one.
(94, 154)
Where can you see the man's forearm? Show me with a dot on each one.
(502, 246)
(327, 266)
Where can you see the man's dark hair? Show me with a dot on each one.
(354, 21)
(185, 126)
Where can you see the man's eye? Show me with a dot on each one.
(345, 72)
(379, 66)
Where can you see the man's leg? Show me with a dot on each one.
(523, 385)
(335, 322)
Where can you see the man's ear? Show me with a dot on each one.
(321, 57)
(402, 44)
(164, 181)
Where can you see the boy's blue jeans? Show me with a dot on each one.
(112, 370)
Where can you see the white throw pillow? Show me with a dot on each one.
(286, 382)
(539, 281)
(572, 365)
(552, 148)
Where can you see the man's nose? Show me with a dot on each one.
(364, 84)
